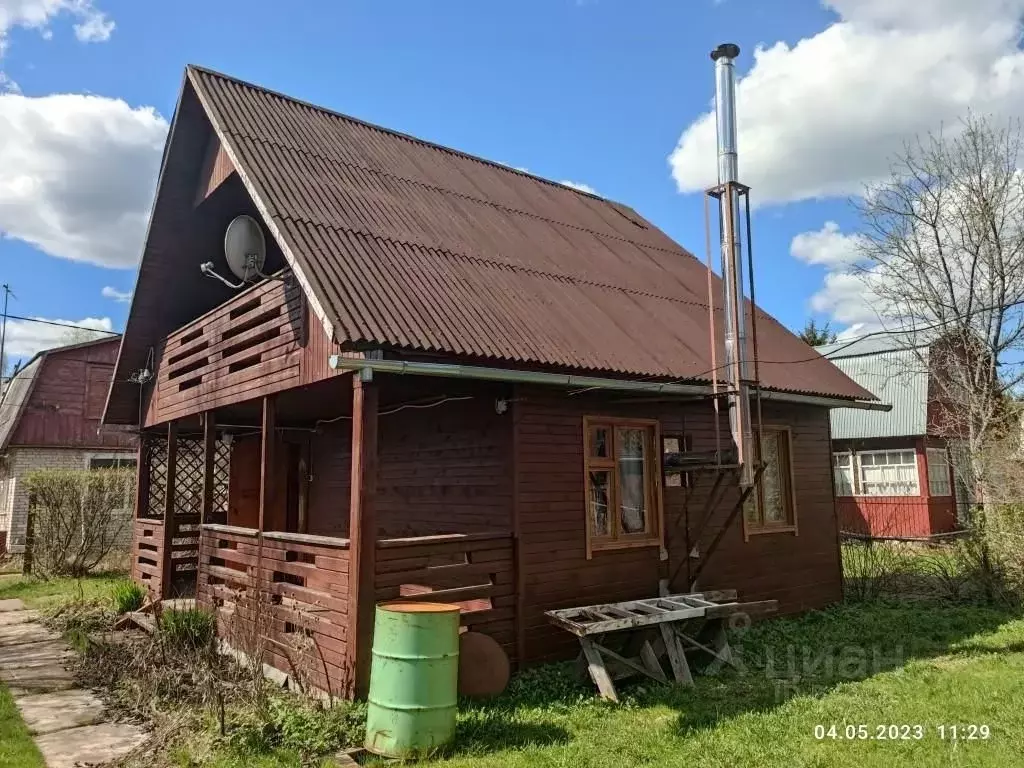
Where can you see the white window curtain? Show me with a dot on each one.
(888, 473)
(938, 473)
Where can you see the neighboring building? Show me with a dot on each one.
(50, 419)
(893, 474)
(462, 378)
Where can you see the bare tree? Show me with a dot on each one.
(942, 259)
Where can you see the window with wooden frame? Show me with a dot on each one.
(622, 474)
(771, 505)
(939, 483)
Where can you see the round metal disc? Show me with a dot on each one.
(245, 247)
(483, 666)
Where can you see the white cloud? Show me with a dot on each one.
(122, 297)
(25, 338)
(93, 25)
(77, 175)
(579, 185)
(828, 247)
(822, 117)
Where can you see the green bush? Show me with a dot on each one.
(128, 596)
(300, 726)
(188, 630)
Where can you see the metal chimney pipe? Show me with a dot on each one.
(737, 372)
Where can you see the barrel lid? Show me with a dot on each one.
(415, 607)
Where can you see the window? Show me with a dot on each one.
(672, 449)
(938, 473)
(770, 505)
(842, 469)
(623, 503)
(888, 473)
(112, 462)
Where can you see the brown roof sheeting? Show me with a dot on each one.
(410, 245)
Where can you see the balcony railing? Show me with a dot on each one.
(246, 347)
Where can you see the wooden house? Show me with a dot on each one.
(895, 472)
(459, 381)
(50, 419)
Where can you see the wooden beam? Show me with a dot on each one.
(142, 479)
(268, 441)
(167, 565)
(209, 461)
(362, 532)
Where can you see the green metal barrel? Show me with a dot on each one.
(413, 679)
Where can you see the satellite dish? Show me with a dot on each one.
(245, 248)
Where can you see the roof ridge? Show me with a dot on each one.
(400, 134)
(444, 190)
(499, 264)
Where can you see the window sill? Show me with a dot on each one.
(761, 530)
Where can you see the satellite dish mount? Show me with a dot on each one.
(245, 250)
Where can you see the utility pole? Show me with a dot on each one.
(3, 333)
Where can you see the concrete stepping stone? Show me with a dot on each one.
(48, 712)
(11, 605)
(17, 634)
(17, 617)
(44, 679)
(35, 654)
(89, 744)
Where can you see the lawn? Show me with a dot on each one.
(16, 747)
(872, 665)
(43, 593)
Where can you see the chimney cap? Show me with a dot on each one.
(728, 50)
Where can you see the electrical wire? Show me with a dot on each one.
(62, 325)
(398, 408)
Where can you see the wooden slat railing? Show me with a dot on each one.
(246, 347)
(476, 571)
(147, 554)
(284, 600)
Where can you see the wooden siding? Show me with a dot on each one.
(475, 571)
(243, 349)
(899, 516)
(441, 470)
(801, 571)
(285, 597)
(66, 401)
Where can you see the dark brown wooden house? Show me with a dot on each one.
(461, 380)
(50, 419)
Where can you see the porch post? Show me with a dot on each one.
(362, 531)
(167, 569)
(267, 473)
(209, 454)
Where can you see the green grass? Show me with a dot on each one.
(926, 665)
(17, 750)
(39, 593)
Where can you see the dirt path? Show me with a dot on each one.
(68, 723)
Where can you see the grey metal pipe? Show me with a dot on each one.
(736, 365)
(481, 373)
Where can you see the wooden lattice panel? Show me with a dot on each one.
(221, 478)
(156, 456)
(188, 477)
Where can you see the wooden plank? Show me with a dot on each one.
(268, 444)
(598, 671)
(168, 532)
(209, 455)
(362, 530)
(651, 663)
(676, 656)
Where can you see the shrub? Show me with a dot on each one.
(128, 596)
(78, 517)
(187, 630)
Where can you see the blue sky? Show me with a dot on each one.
(594, 91)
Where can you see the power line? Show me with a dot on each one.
(63, 325)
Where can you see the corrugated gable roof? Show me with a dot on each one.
(16, 395)
(896, 376)
(406, 244)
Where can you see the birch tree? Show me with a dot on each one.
(942, 255)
